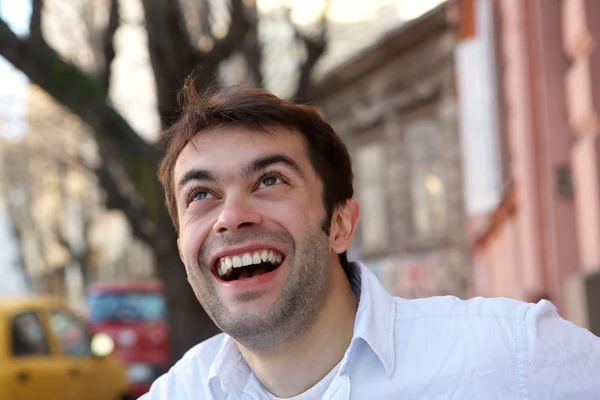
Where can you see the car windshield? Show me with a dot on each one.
(127, 307)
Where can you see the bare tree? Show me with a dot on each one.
(52, 210)
(128, 171)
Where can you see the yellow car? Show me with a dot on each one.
(47, 353)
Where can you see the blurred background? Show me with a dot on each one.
(473, 126)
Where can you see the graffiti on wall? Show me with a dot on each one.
(409, 276)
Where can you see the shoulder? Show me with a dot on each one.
(496, 317)
(562, 359)
(527, 344)
(189, 376)
(488, 327)
(441, 307)
(474, 341)
(479, 334)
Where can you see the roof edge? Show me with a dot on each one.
(382, 50)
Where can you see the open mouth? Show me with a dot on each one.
(248, 265)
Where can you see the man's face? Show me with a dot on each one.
(250, 215)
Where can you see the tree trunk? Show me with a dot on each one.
(190, 323)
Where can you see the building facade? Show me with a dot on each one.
(529, 77)
(394, 104)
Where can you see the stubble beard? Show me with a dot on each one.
(292, 314)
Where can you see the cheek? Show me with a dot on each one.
(193, 235)
(294, 214)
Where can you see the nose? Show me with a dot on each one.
(236, 214)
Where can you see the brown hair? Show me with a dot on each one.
(259, 110)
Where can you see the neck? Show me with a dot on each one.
(294, 367)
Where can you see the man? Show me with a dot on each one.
(260, 191)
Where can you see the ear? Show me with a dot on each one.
(343, 226)
(180, 251)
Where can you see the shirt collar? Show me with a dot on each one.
(375, 317)
(374, 324)
(229, 371)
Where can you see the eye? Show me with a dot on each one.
(270, 180)
(200, 195)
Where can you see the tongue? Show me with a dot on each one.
(259, 271)
(245, 274)
(249, 273)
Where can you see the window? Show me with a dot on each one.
(127, 307)
(370, 174)
(485, 154)
(429, 200)
(28, 336)
(71, 334)
(425, 149)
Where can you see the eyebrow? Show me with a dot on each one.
(196, 175)
(266, 161)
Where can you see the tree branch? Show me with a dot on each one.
(315, 47)
(141, 226)
(72, 88)
(108, 46)
(86, 98)
(252, 48)
(18, 236)
(172, 54)
(234, 38)
(35, 23)
(205, 24)
(21, 219)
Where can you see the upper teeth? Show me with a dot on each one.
(225, 264)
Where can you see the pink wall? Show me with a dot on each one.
(520, 129)
(548, 69)
(581, 27)
(530, 252)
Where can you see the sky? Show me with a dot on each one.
(16, 13)
(13, 107)
(13, 84)
(304, 11)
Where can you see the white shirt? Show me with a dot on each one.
(314, 393)
(433, 348)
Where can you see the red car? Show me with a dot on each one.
(134, 315)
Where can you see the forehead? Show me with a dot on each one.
(229, 148)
